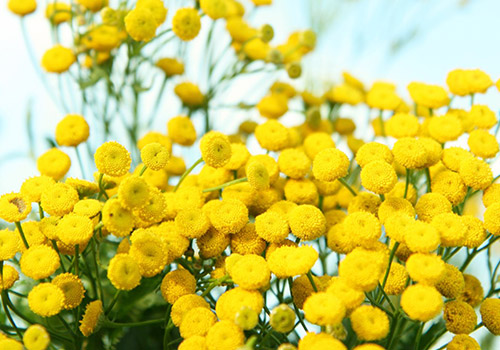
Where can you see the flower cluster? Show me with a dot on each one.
(314, 239)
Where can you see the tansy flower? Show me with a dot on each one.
(302, 191)
(251, 272)
(22, 7)
(46, 299)
(213, 243)
(140, 24)
(176, 284)
(170, 66)
(463, 341)
(402, 125)
(134, 192)
(186, 23)
(378, 176)
(246, 318)
(312, 341)
(410, 153)
(231, 302)
(184, 304)
(316, 142)
(273, 106)
(430, 205)
(8, 278)
(36, 337)
(181, 130)
(93, 5)
(116, 219)
(246, 241)
(59, 199)
(294, 163)
(421, 302)
(257, 175)
(39, 261)
(197, 322)
(58, 59)
(373, 151)
(224, 335)
(54, 163)
(156, 7)
(476, 173)
(430, 96)
(419, 236)
(229, 216)
(396, 279)
(74, 229)
(272, 135)
(450, 228)
(32, 188)
(189, 94)
(483, 144)
(362, 227)
(239, 156)
(459, 317)
(14, 207)
(490, 311)
(195, 342)
(362, 268)
(72, 288)
(58, 12)
(83, 187)
(215, 149)
(192, 223)
(330, 164)
(72, 130)
(452, 282)
(351, 297)
(112, 159)
(450, 185)
(324, 309)
(453, 156)
(123, 272)
(369, 323)
(425, 268)
(272, 226)
(483, 117)
(155, 156)
(292, 261)
(307, 222)
(473, 293)
(492, 218)
(90, 320)
(475, 233)
(490, 195)
(9, 244)
(148, 251)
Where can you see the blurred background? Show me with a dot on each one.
(397, 41)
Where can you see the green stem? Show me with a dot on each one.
(408, 173)
(381, 121)
(346, 185)
(80, 162)
(101, 187)
(75, 259)
(113, 302)
(9, 316)
(40, 211)
(428, 179)
(297, 311)
(186, 173)
(54, 244)
(109, 324)
(144, 167)
(220, 187)
(382, 197)
(310, 277)
(214, 284)
(419, 335)
(94, 254)
(21, 233)
(66, 325)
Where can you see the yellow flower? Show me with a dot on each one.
(46, 299)
(192, 223)
(14, 207)
(452, 282)
(273, 106)
(316, 142)
(473, 292)
(39, 262)
(396, 279)
(54, 163)
(475, 233)
(170, 66)
(116, 219)
(32, 188)
(123, 272)
(102, 38)
(294, 163)
(197, 321)
(148, 251)
(490, 195)
(402, 125)
(185, 303)
(450, 228)
(229, 216)
(196, 342)
(215, 149)
(302, 191)
(362, 268)
(378, 176)
(90, 320)
(155, 156)
(463, 341)
(246, 241)
(324, 309)
(141, 24)
(362, 227)
(463, 82)
(186, 23)
(72, 288)
(272, 135)
(72, 130)
(272, 226)
(430, 205)
(490, 314)
(59, 199)
(231, 302)
(345, 93)
(8, 278)
(369, 323)
(258, 174)
(459, 317)
(483, 144)
(430, 96)
(282, 318)
(321, 341)
(36, 337)
(450, 185)
(350, 297)
(22, 7)
(156, 8)
(9, 244)
(476, 173)
(58, 12)
(410, 153)
(330, 164)
(112, 159)
(425, 268)
(189, 94)
(290, 261)
(307, 222)
(177, 283)
(421, 237)
(421, 302)
(482, 116)
(58, 59)
(83, 187)
(251, 272)
(224, 335)
(492, 219)
(74, 229)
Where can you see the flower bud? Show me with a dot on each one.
(275, 56)
(266, 33)
(246, 318)
(294, 70)
(282, 318)
(307, 38)
(313, 117)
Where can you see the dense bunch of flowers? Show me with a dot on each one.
(316, 239)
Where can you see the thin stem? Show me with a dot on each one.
(310, 277)
(75, 259)
(408, 173)
(227, 184)
(40, 211)
(346, 185)
(101, 187)
(113, 302)
(428, 179)
(80, 162)
(382, 197)
(144, 167)
(186, 173)
(214, 284)
(419, 335)
(297, 311)
(66, 325)
(54, 244)
(21, 233)
(110, 324)
(9, 316)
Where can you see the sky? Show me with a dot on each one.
(449, 37)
